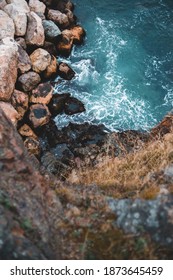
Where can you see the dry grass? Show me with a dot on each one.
(132, 175)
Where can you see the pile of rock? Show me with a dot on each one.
(32, 34)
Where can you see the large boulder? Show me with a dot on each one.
(64, 5)
(8, 69)
(9, 111)
(20, 3)
(19, 18)
(40, 60)
(42, 94)
(51, 30)
(37, 6)
(19, 101)
(52, 68)
(3, 3)
(24, 62)
(76, 33)
(64, 45)
(35, 31)
(7, 28)
(59, 18)
(39, 115)
(29, 81)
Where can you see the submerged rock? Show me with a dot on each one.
(57, 103)
(73, 106)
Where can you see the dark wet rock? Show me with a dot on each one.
(39, 115)
(63, 5)
(50, 48)
(64, 45)
(153, 217)
(29, 81)
(19, 101)
(51, 30)
(32, 145)
(73, 106)
(29, 209)
(59, 18)
(54, 166)
(57, 103)
(65, 71)
(51, 70)
(24, 62)
(42, 93)
(26, 131)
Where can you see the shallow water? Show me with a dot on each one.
(124, 69)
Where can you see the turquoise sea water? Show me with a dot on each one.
(125, 68)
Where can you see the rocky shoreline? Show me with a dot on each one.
(42, 215)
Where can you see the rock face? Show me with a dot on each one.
(141, 216)
(40, 60)
(39, 115)
(6, 26)
(19, 18)
(35, 31)
(51, 30)
(8, 69)
(59, 18)
(29, 209)
(65, 71)
(10, 112)
(42, 94)
(29, 81)
(19, 101)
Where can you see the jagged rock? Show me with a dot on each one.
(59, 18)
(42, 94)
(57, 103)
(64, 5)
(73, 106)
(26, 131)
(77, 34)
(21, 41)
(6, 26)
(19, 18)
(52, 68)
(39, 115)
(19, 101)
(20, 3)
(3, 3)
(35, 31)
(50, 48)
(65, 71)
(51, 30)
(37, 6)
(8, 69)
(24, 62)
(31, 210)
(9, 111)
(29, 81)
(40, 60)
(33, 146)
(64, 45)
